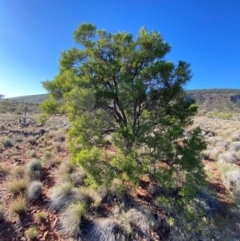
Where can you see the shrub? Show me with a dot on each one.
(229, 156)
(34, 191)
(3, 170)
(232, 179)
(48, 159)
(71, 219)
(31, 233)
(17, 186)
(61, 196)
(7, 143)
(34, 169)
(19, 172)
(41, 216)
(18, 206)
(235, 146)
(105, 229)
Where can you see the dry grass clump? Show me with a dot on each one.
(60, 136)
(4, 170)
(57, 146)
(232, 179)
(106, 229)
(141, 219)
(236, 136)
(235, 146)
(48, 159)
(1, 212)
(230, 174)
(7, 142)
(31, 140)
(214, 153)
(69, 172)
(17, 186)
(18, 206)
(19, 172)
(31, 233)
(33, 154)
(228, 156)
(40, 217)
(71, 219)
(18, 138)
(34, 169)
(34, 191)
(61, 196)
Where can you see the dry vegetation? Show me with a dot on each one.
(43, 195)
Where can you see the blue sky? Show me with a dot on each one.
(204, 33)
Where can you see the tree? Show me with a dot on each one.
(115, 84)
(1, 96)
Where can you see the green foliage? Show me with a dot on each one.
(115, 84)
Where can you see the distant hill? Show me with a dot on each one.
(34, 99)
(222, 100)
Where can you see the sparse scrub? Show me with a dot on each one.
(34, 169)
(34, 191)
(31, 233)
(71, 219)
(17, 186)
(18, 206)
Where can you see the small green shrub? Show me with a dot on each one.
(31, 233)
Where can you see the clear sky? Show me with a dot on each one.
(204, 33)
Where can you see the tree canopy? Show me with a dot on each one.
(122, 87)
